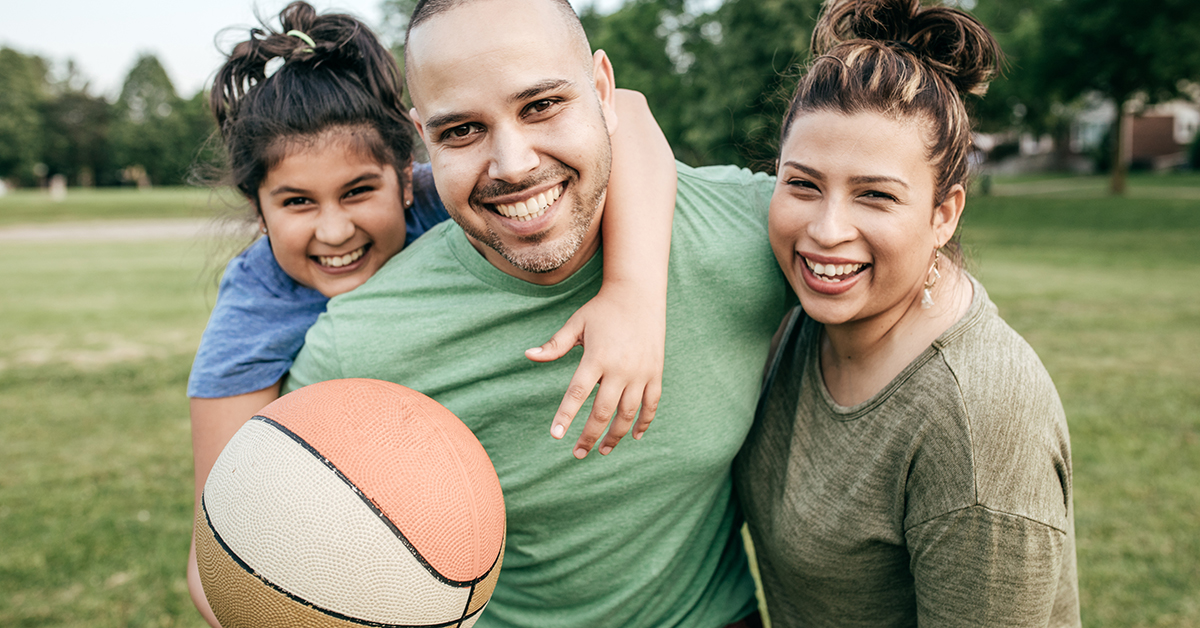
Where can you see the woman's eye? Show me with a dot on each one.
(803, 184)
(880, 196)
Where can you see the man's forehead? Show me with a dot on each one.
(503, 34)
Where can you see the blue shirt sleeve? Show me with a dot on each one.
(426, 210)
(256, 328)
(258, 324)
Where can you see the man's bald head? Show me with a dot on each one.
(427, 10)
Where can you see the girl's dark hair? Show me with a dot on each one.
(900, 59)
(345, 79)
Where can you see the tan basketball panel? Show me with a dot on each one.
(239, 600)
(483, 590)
(414, 437)
(295, 523)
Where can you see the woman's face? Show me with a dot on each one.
(334, 215)
(853, 221)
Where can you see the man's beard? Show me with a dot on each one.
(545, 257)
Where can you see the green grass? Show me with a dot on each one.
(36, 206)
(96, 341)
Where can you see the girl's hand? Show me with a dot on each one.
(622, 334)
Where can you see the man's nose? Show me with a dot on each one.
(513, 155)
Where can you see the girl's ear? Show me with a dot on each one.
(947, 215)
(407, 185)
(262, 224)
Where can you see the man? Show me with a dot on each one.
(514, 107)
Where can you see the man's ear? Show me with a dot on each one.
(606, 86)
(947, 214)
(416, 118)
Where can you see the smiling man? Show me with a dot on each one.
(517, 113)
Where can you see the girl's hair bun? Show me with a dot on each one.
(950, 41)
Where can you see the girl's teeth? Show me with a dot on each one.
(341, 260)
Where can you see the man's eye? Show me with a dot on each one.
(461, 131)
(540, 106)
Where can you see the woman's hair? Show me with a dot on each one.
(899, 59)
(335, 74)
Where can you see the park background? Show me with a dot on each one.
(1090, 248)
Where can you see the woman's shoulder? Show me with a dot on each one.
(1011, 413)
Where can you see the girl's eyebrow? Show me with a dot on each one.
(287, 189)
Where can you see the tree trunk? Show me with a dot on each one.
(1119, 167)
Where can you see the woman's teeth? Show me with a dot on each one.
(532, 207)
(338, 261)
(832, 272)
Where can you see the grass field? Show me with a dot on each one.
(35, 206)
(96, 341)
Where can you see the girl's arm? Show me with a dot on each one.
(214, 422)
(623, 328)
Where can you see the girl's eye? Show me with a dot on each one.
(295, 201)
(362, 189)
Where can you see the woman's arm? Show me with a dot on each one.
(214, 422)
(623, 329)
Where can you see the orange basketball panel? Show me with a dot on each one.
(414, 437)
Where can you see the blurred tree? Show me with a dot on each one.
(149, 134)
(718, 81)
(76, 132)
(23, 92)
(1120, 49)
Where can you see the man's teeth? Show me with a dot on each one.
(832, 272)
(342, 260)
(532, 207)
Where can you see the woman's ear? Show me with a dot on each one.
(947, 214)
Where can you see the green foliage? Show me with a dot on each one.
(718, 82)
(23, 91)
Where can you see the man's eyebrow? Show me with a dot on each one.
(538, 89)
(446, 119)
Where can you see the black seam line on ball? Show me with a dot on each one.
(373, 506)
(299, 600)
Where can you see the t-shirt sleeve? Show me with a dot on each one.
(318, 360)
(980, 567)
(255, 329)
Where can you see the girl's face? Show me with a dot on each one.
(853, 220)
(334, 215)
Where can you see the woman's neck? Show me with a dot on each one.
(859, 358)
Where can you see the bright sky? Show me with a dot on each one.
(105, 38)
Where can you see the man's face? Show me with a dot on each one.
(517, 132)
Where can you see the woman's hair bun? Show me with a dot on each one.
(949, 40)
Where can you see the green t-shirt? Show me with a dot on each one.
(648, 535)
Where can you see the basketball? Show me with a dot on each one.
(351, 502)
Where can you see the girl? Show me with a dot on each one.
(910, 464)
(321, 148)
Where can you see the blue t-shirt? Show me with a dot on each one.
(258, 324)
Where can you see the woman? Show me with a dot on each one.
(910, 464)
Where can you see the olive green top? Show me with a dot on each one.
(944, 500)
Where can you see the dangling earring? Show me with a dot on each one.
(931, 281)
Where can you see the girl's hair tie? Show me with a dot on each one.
(304, 38)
